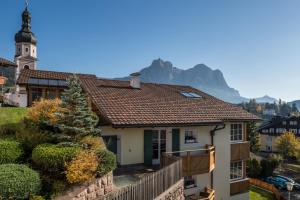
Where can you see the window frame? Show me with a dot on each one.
(192, 134)
(238, 171)
(234, 132)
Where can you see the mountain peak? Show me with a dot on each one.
(200, 76)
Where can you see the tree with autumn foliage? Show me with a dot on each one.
(288, 145)
(44, 112)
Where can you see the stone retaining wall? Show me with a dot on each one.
(89, 191)
(173, 193)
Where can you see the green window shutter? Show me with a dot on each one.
(148, 147)
(176, 139)
(111, 143)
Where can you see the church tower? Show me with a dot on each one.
(25, 41)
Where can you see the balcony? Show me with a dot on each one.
(206, 194)
(197, 161)
(239, 186)
(240, 151)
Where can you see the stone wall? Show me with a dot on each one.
(89, 191)
(173, 193)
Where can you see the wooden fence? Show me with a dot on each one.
(266, 186)
(151, 185)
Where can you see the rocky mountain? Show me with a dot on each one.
(266, 99)
(200, 76)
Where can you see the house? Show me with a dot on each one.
(145, 120)
(147, 123)
(270, 131)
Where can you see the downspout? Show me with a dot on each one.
(212, 134)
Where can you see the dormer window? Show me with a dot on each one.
(190, 95)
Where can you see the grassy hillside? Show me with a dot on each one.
(11, 115)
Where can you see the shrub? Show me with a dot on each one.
(107, 162)
(253, 168)
(93, 142)
(82, 168)
(8, 130)
(267, 167)
(18, 181)
(53, 158)
(30, 137)
(44, 111)
(288, 145)
(11, 151)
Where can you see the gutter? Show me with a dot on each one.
(212, 134)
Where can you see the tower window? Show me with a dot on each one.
(26, 67)
(26, 49)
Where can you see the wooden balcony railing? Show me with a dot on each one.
(239, 186)
(197, 161)
(240, 151)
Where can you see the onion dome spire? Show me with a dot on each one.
(25, 34)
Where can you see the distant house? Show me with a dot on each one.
(278, 125)
(269, 112)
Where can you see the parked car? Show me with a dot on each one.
(277, 182)
(296, 185)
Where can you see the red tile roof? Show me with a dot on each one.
(41, 74)
(7, 63)
(158, 105)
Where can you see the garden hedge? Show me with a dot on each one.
(107, 161)
(10, 151)
(53, 158)
(18, 181)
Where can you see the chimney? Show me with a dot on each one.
(135, 80)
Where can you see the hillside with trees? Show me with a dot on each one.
(268, 110)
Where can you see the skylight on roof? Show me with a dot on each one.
(190, 95)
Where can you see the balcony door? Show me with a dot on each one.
(158, 145)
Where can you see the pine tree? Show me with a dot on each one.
(76, 119)
(253, 137)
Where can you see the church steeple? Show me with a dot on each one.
(25, 34)
(26, 51)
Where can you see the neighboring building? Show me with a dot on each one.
(36, 84)
(278, 125)
(269, 112)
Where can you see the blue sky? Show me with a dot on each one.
(256, 44)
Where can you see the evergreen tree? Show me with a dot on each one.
(253, 137)
(76, 119)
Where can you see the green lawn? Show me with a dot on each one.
(259, 194)
(11, 115)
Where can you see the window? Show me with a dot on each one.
(26, 67)
(190, 136)
(284, 123)
(236, 170)
(189, 182)
(36, 94)
(293, 123)
(26, 49)
(50, 94)
(236, 132)
(190, 95)
(265, 131)
(293, 130)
